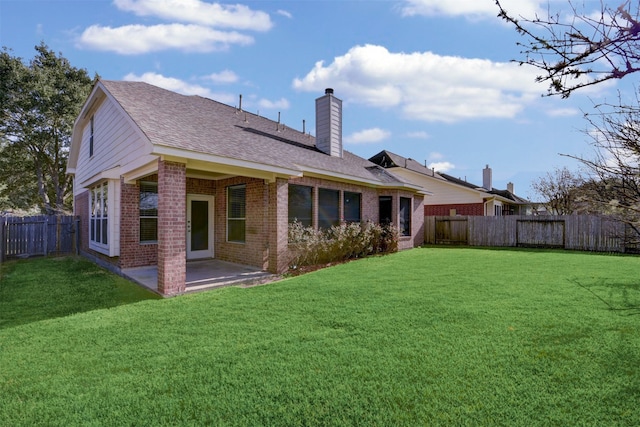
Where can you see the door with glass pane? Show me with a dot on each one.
(199, 226)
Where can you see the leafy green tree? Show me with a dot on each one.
(40, 101)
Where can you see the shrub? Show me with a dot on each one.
(309, 246)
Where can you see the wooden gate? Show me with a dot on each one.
(540, 232)
(451, 231)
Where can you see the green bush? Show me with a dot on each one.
(309, 246)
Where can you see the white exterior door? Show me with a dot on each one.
(199, 226)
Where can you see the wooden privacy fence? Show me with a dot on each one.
(22, 237)
(577, 232)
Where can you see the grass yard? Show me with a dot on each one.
(431, 336)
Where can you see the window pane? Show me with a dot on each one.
(385, 206)
(328, 208)
(236, 201)
(98, 230)
(300, 205)
(148, 229)
(105, 197)
(236, 231)
(236, 210)
(104, 231)
(405, 216)
(148, 211)
(352, 207)
(148, 199)
(199, 225)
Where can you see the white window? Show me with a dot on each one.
(148, 212)
(104, 220)
(99, 215)
(236, 213)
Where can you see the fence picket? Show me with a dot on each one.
(579, 232)
(36, 236)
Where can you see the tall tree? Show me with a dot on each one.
(40, 101)
(580, 48)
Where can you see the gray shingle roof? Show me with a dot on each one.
(388, 159)
(202, 125)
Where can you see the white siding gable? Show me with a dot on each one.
(117, 142)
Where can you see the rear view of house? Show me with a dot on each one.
(162, 178)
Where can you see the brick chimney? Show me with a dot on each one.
(329, 124)
(487, 183)
(510, 187)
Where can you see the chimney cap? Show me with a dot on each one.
(328, 91)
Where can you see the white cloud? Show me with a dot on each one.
(473, 9)
(443, 167)
(180, 86)
(368, 136)
(137, 39)
(424, 85)
(282, 104)
(285, 13)
(223, 77)
(194, 11)
(563, 112)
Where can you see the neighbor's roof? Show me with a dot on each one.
(201, 125)
(387, 159)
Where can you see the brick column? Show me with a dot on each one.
(278, 226)
(172, 246)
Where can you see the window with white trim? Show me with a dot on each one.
(236, 213)
(99, 220)
(148, 212)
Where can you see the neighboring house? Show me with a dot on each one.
(453, 196)
(161, 178)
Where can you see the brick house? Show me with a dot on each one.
(453, 196)
(162, 178)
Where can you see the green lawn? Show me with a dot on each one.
(432, 336)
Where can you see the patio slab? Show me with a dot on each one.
(204, 274)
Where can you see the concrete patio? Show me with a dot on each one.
(205, 274)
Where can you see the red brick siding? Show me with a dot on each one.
(171, 227)
(472, 209)
(132, 253)
(278, 224)
(254, 250)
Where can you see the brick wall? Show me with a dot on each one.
(472, 209)
(254, 251)
(171, 227)
(278, 225)
(132, 253)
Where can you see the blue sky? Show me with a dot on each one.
(427, 79)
